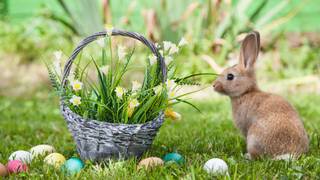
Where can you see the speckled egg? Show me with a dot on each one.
(173, 157)
(73, 165)
(55, 159)
(150, 162)
(42, 150)
(16, 166)
(23, 156)
(216, 166)
(3, 170)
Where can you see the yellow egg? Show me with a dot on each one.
(55, 159)
(150, 162)
(41, 150)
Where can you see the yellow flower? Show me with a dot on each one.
(119, 91)
(121, 52)
(76, 85)
(182, 42)
(109, 29)
(133, 103)
(136, 85)
(75, 100)
(153, 59)
(104, 69)
(169, 113)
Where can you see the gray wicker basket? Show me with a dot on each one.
(101, 141)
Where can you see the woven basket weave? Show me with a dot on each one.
(101, 141)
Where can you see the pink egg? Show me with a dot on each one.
(16, 166)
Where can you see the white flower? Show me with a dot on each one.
(161, 53)
(153, 59)
(158, 89)
(136, 85)
(182, 42)
(174, 49)
(75, 100)
(121, 52)
(168, 59)
(119, 91)
(171, 84)
(104, 69)
(57, 55)
(171, 94)
(157, 45)
(109, 29)
(76, 85)
(101, 42)
(167, 45)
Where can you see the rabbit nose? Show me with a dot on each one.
(217, 86)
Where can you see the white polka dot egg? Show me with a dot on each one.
(216, 166)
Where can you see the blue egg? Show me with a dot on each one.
(173, 157)
(73, 165)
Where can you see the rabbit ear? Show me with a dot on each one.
(249, 50)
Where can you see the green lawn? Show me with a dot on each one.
(198, 137)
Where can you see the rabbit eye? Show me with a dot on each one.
(230, 77)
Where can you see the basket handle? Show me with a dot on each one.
(115, 32)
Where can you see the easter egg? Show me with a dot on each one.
(216, 166)
(23, 156)
(41, 150)
(55, 159)
(73, 165)
(173, 157)
(16, 166)
(150, 162)
(3, 170)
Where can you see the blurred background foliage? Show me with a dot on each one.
(31, 30)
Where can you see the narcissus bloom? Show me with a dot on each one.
(133, 103)
(119, 91)
(76, 85)
(135, 85)
(169, 113)
(75, 100)
(182, 42)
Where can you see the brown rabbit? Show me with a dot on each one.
(269, 123)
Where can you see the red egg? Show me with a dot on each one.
(16, 166)
(3, 170)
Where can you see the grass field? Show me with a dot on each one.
(198, 137)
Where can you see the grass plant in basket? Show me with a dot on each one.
(105, 96)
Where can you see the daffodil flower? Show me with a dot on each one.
(76, 85)
(135, 85)
(171, 84)
(104, 69)
(167, 45)
(109, 29)
(121, 52)
(75, 100)
(158, 89)
(133, 103)
(174, 49)
(182, 42)
(119, 92)
(169, 113)
(153, 59)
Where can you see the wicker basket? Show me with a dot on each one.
(100, 141)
